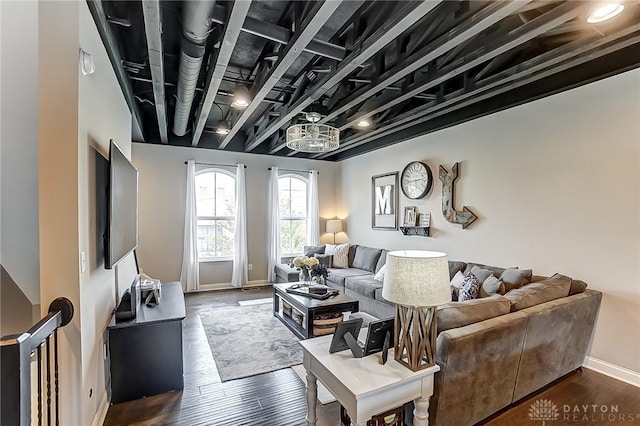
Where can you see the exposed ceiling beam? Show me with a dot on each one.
(239, 10)
(313, 22)
(281, 35)
(549, 63)
(111, 44)
(153, 31)
(405, 17)
(523, 34)
(461, 34)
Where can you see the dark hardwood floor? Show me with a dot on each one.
(277, 398)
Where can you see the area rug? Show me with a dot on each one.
(249, 340)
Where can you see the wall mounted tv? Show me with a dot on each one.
(121, 237)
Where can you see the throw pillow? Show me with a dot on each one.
(309, 251)
(455, 267)
(577, 286)
(457, 280)
(324, 259)
(516, 278)
(491, 286)
(454, 294)
(341, 256)
(379, 276)
(366, 258)
(469, 289)
(539, 292)
(481, 273)
(330, 248)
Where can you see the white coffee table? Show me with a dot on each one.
(363, 386)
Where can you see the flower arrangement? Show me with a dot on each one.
(319, 273)
(304, 265)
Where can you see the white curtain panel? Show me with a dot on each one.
(273, 225)
(190, 275)
(313, 221)
(240, 274)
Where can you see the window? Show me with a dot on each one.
(293, 214)
(215, 205)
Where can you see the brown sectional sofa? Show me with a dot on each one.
(492, 351)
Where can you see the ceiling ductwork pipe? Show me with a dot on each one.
(196, 18)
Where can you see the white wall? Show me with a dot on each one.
(556, 185)
(19, 166)
(161, 206)
(77, 115)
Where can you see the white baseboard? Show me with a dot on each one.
(101, 414)
(612, 370)
(228, 286)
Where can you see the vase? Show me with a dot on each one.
(304, 277)
(319, 279)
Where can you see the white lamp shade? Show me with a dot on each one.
(334, 225)
(416, 278)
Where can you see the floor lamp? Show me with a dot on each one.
(416, 281)
(334, 226)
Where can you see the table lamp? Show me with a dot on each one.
(416, 281)
(334, 226)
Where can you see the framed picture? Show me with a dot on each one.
(384, 201)
(425, 219)
(409, 216)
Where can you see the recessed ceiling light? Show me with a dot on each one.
(364, 123)
(241, 98)
(222, 128)
(605, 12)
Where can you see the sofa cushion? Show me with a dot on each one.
(341, 256)
(363, 284)
(338, 275)
(458, 314)
(539, 292)
(515, 278)
(325, 259)
(490, 286)
(481, 273)
(378, 297)
(309, 251)
(497, 271)
(455, 266)
(379, 276)
(366, 258)
(285, 273)
(352, 254)
(382, 260)
(470, 288)
(577, 286)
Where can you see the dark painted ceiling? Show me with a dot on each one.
(408, 67)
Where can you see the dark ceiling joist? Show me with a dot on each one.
(407, 15)
(153, 31)
(555, 61)
(488, 16)
(239, 10)
(313, 22)
(523, 34)
(111, 45)
(281, 35)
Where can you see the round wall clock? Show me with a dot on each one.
(416, 180)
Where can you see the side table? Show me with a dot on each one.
(363, 386)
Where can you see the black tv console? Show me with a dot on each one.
(145, 353)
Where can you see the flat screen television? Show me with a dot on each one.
(122, 220)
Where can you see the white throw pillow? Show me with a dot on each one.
(330, 248)
(379, 276)
(341, 256)
(457, 280)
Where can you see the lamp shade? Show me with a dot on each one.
(334, 225)
(416, 278)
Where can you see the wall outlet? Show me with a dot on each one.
(251, 266)
(83, 262)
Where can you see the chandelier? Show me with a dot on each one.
(313, 137)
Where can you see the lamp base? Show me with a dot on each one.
(415, 331)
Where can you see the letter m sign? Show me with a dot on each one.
(383, 200)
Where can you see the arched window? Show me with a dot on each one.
(293, 213)
(215, 205)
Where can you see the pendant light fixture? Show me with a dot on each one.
(313, 137)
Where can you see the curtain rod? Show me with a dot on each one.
(291, 170)
(216, 164)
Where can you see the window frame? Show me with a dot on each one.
(214, 218)
(291, 218)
